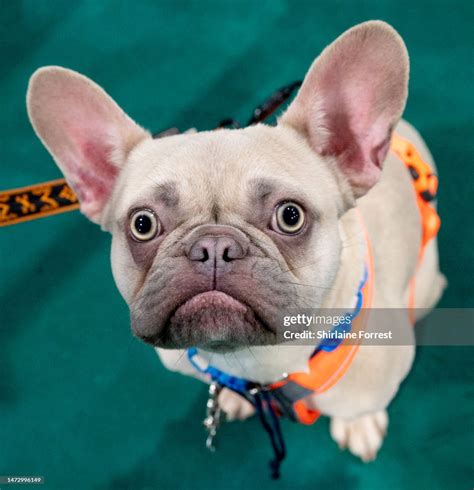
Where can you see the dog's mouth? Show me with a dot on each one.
(209, 300)
(214, 321)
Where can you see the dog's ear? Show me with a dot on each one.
(351, 99)
(85, 131)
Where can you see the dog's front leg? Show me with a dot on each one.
(235, 406)
(363, 436)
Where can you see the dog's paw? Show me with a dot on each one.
(235, 406)
(363, 436)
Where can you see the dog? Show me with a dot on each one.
(214, 233)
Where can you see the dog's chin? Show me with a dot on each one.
(214, 321)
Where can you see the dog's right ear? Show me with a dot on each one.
(85, 131)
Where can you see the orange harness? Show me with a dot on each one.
(327, 368)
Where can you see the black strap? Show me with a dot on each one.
(266, 108)
(270, 105)
(271, 423)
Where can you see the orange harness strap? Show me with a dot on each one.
(425, 186)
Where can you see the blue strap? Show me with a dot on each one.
(331, 343)
(232, 382)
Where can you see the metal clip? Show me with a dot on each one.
(213, 415)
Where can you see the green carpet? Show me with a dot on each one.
(87, 406)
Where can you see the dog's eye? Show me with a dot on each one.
(288, 218)
(144, 225)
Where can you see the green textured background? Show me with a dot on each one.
(89, 407)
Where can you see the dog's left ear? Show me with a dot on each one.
(351, 99)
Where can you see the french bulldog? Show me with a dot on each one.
(215, 232)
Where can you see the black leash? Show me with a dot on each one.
(271, 423)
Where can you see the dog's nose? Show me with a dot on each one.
(216, 249)
(218, 245)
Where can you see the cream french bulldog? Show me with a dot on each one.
(214, 233)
